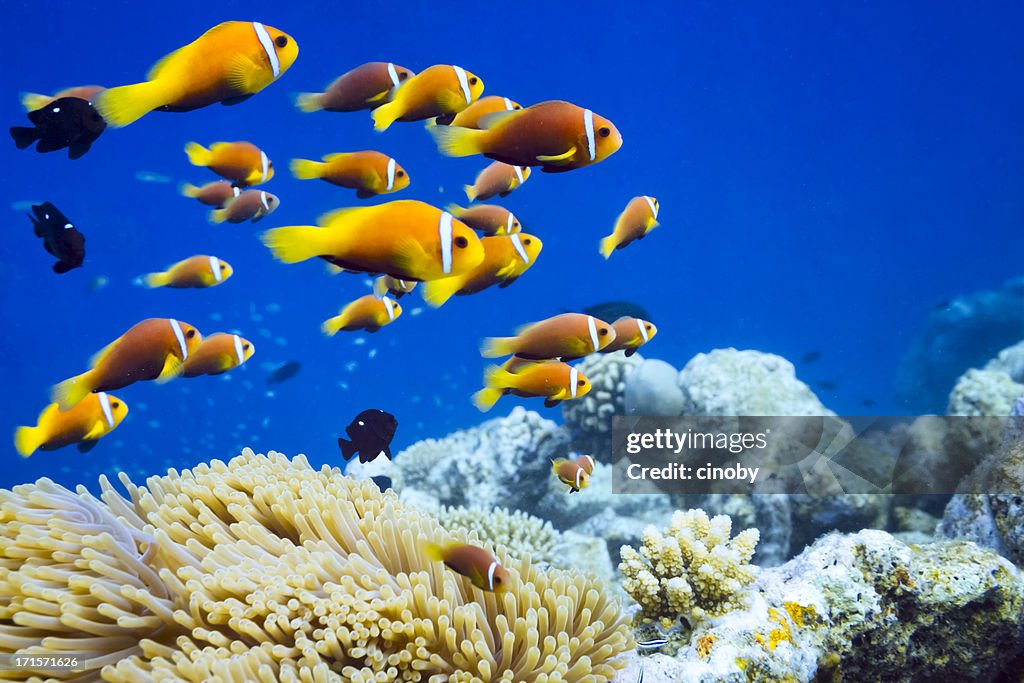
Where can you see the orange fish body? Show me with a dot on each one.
(498, 179)
(471, 115)
(250, 205)
(214, 194)
(638, 219)
(571, 473)
(436, 91)
(369, 173)
(406, 239)
(365, 87)
(32, 101)
(567, 336)
(155, 348)
(93, 417)
(556, 135)
(227, 64)
(587, 463)
(365, 313)
(630, 335)
(489, 219)
(218, 353)
(192, 273)
(386, 284)
(554, 380)
(243, 163)
(479, 566)
(506, 257)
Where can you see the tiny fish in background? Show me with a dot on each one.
(99, 282)
(385, 284)
(810, 356)
(571, 473)
(368, 172)
(436, 91)
(369, 435)
(489, 219)
(868, 402)
(497, 180)
(214, 194)
(151, 177)
(827, 384)
(478, 565)
(630, 335)
(471, 115)
(217, 354)
(638, 219)
(250, 205)
(60, 237)
(32, 101)
(91, 419)
(193, 273)
(243, 163)
(365, 313)
(67, 122)
(284, 372)
(365, 87)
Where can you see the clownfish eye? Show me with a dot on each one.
(190, 334)
(245, 346)
(115, 404)
(603, 332)
(403, 75)
(497, 579)
(604, 131)
(580, 383)
(473, 80)
(461, 242)
(527, 241)
(281, 41)
(400, 174)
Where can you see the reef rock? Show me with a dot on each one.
(652, 389)
(589, 419)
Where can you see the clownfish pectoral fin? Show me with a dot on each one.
(98, 430)
(173, 366)
(243, 73)
(409, 254)
(557, 159)
(71, 391)
(380, 98)
(27, 440)
(485, 399)
(127, 103)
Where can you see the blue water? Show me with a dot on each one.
(826, 174)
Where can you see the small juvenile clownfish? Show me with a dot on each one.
(479, 566)
(365, 87)
(192, 273)
(214, 194)
(553, 380)
(250, 205)
(498, 179)
(92, 418)
(436, 91)
(557, 136)
(639, 218)
(506, 257)
(489, 219)
(365, 313)
(217, 354)
(227, 64)
(567, 336)
(155, 348)
(587, 463)
(32, 101)
(630, 335)
(369, 173)
(571, 473)
(243, 163)
(386, 284)
(471, 115)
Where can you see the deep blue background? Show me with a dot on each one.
(826, 174)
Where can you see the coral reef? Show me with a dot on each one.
(265, 569)
(521, 534)
(652, 389)
(589, 419)
(983, 393)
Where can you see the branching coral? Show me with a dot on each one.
(521, 534)
(264, 569)
(693, 570)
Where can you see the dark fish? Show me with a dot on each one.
(370, 433)
(810, 356)
(613, 310)
(60, 237)
(285, 372)
(868, 402)
(382, 482)
(827, 385)
(67, 122)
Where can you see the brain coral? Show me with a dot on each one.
(263, 569)
(520, 533)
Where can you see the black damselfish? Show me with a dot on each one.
(60, 237)
(66, 122)
(370, 433)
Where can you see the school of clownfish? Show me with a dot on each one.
(404, 242)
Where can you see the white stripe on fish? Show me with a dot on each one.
(215, 269)
(650, 203)
(643, 329)
(588, 125)
(180, 336)
(573, 375)
(445, 232)
(463, 82)
(268, 47)
(390, 308)
(519, 174)
(490, 574)
(518, 244)
(265, 164)
(108, 414)
(592, 327)
(238, 349)
(391, 174)
(393, 74)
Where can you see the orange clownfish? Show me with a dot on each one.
(506, 257)
(498, 179)
(369, 173)
(471, 115)
(630, 335)
(243, 163)
(567, 336)
(365, 313)
(489, 219)
(227, 64)
(218, 353)
(192, 273)
(436, 91)
(571, 473)
(638, 219)
(557, 136)
(406, 239)
(93, 417)
(32, 101)
(554, 380)
(250, 205)
(365, 87)
(214, 194)
(587, 463)
(386, 284)
(479, 566)
(155, 348)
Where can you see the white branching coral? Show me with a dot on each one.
(693, 570)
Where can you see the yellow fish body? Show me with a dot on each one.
(93, 417)
(438, 90)
(638, 218)
(191, 273)
(506, 257)
(365, 313)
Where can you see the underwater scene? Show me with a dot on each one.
(525, 342)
